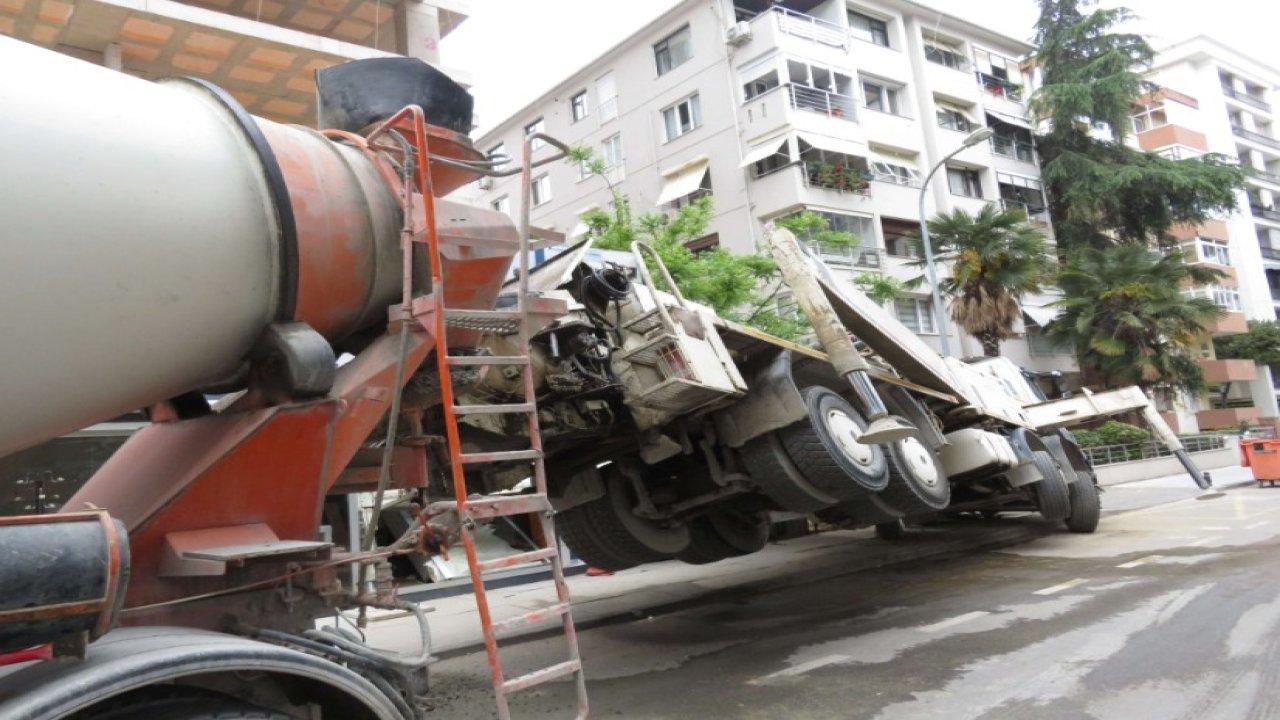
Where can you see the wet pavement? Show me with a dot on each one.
(1169, 611)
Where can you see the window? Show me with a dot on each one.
(1000, 76)
(954, 119)
(821, 89)
(760, 85)
(1026, 193)
(894, 173)
(606, 98)
(537, 126)
(945, 56)
(704, 189)
(772, 163)
(502, 205)
(682, 117)
(872, 30)
(916, 314)
(1213, 251)
(673, 50)
(611, 151)
(541, 188)
(881, 97)
(578, 106)
(898, 236)
(1150, 115)
(498, 153)
(964, 182)
(1039, 344)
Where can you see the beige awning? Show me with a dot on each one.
(837, 145)
(685, 180)
(1011, 119)
(764, 150)
(1041, 315)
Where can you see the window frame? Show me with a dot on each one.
(578, 108)
(874, 35)
(498, 149)
(694, 111)
(1145, 118)
(662, 49)
(922, 308)
(535, 194)
(501, 204)
(538, 125)
(889, 93)
(604, 152)
(966, 175)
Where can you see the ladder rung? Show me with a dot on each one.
(529, 618)
(501, 456)
(488, 359)
(485, 566)
(537, 677)
(468, 313)
(493, 409)
(484, 508)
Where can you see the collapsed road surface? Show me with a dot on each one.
(1170, 611)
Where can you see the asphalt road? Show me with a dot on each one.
(1169, 611)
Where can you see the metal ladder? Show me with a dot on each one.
(473, 509)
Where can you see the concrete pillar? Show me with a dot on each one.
(113, 57)
(418, 31)
(1264, 393)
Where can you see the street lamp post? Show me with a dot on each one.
(940, 317)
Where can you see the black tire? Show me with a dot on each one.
(1052, 497)
(724, 533)
(604, 533)
(892, 530)
(1086, 506)
(817, 447)
(917, 482)
(778, 478)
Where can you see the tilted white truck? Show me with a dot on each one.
(672, 432)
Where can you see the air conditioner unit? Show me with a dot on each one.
(486, 183)
(739, 34)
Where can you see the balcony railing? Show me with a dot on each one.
(841, 178)
(608, 110)
(999, 87)
(1255, 137)
(1011, 148)
(1271, 254)
(1036, 215)
(1265, 212)
(1246, 98)
(1261, 174)
(822, 101)
(845, 255)
(808, 27)
(1224, 297)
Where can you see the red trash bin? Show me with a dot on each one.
(1263, 458)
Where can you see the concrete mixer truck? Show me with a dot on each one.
(162, 247)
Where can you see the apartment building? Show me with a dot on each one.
(1213, 99)
(264, 52)
(836, 106)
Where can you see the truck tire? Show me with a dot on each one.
(779, 479)
(1053, 499)
(606, 534)
(824, 447)
(724, 533)
(917, 482)
(1086, 506)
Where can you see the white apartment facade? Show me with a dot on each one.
(264, 52)
(835, 106)
(1213, 99)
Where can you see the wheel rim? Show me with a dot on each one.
(846, 431)
(919, 461)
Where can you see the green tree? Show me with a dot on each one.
(731, 284)
(996, 257)
(1126, 313)
(1261, 344)
(1102, 191)
(880, 287)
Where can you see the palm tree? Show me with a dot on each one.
(1125, 311)
(996, 257)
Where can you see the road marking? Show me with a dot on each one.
(801, 668)
(942, 625)
(1061, 586)
(1257, 525)
(1139, 561)
(1201, 541)
(1218, 528)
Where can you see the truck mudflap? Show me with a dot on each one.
(131, 659)
(1087, 405)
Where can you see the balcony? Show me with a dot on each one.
(1257, 137)
(999, 87)
(808, 27)
(1246, 98)
(1274, 255)
(1227, 417)
(1035, 215)
(1260, 174)
(847, 256)
(1221, 371)
(1231, 323)
(838, 177)
(1266, 213)
(833, 105)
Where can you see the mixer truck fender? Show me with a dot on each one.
(136, 671)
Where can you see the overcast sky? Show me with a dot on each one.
(517, 49)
